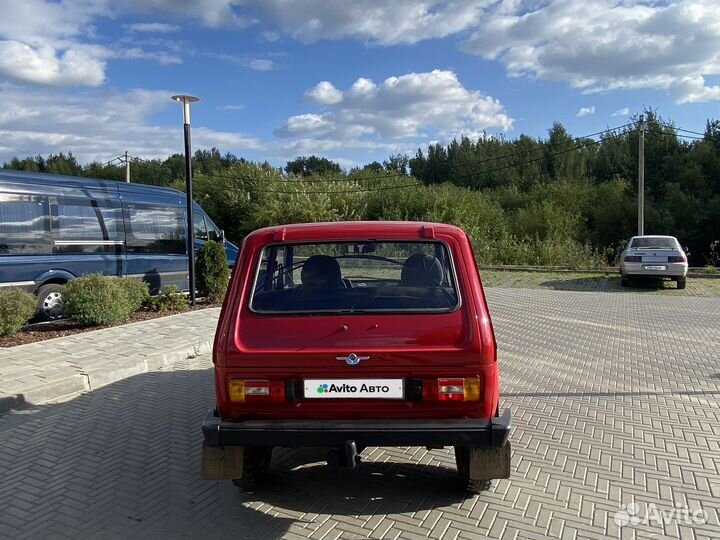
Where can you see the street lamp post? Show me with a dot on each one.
(186, 101)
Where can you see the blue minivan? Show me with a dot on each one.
(54, 228)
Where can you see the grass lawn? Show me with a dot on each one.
(569, 281)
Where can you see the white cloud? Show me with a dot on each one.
(46, 42)
(38, 21)
(212, 13)
(415, 106)
(270, 37)
(692, 89)
(160, 28)
(136, 53)
(625, 111)
(257, 64)
(601, 45)
(261, 64)
(378, 21)
(324, 93)
(76, 65)
(585, 111)
(95, 124)
(231, 107)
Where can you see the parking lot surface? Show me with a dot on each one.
(616, 402)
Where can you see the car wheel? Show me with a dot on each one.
(49, 302)
(681, 282)
(624, 282)
(256, 463)
(462, 460)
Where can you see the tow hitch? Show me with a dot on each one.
(349, 458)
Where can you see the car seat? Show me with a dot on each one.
(420, 270)
(321, 271)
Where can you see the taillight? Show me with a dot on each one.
(633, 258)
(467, 389)
(242, 391)
(677, 258)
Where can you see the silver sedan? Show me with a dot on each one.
(655, 257)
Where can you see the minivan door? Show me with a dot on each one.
(87, 234)
(155, 242)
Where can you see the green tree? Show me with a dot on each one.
(306, 166)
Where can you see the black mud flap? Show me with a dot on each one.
(221, 463)
(489, 462)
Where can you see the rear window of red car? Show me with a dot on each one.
(355, 277)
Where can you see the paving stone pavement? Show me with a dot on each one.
(65, 366)
(615, 401)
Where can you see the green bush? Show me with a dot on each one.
(169, 300)
(212, 271)
(95, 299)
(16, 308)
(137, 291)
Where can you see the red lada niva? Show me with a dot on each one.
(351, 335)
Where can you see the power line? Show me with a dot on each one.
(613, 133)
(689, 131)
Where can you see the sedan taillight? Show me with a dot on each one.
(467, 389)
(241, 390)
(633, 258)
(677, 259)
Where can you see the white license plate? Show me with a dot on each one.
(354, 388)
(655, 267)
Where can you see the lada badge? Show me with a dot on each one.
(352, 359)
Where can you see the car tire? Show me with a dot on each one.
(256, 463)
(681, 282)
(624, 282)
(49, 302)
(462, 460)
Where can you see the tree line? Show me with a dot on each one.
(559, 200)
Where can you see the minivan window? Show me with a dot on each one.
(85, 225)
(355, 277)
(213, 231)
(199, 229)
(24, 224)
(155, 229)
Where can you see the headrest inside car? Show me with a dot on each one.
(421, 270)
(321, 271)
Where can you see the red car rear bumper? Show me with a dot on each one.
(298, 433)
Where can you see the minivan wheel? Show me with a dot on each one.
(462, 460)
(49, 302)
(256, 462)
(681, 282)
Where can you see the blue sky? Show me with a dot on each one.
(354, 82)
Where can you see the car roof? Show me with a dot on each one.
(354, 230)
(654, 236)
(39, 178)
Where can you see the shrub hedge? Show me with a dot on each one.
(169, 300)
(95, 299)
(212, 271)
(17, 307)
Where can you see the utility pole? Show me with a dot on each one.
(641, 178)
(127, 167)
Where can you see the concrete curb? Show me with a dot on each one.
(88, 380)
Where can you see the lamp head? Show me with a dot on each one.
(186, 100)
